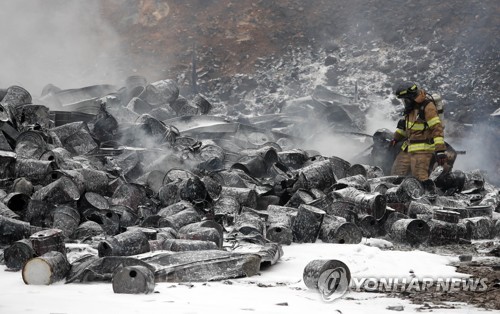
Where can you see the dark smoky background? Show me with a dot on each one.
(253, 56)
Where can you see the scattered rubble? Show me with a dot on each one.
(167, 193)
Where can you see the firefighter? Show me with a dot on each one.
(422, 133)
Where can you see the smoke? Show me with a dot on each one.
(62, 42)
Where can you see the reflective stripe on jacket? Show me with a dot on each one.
(422, 135)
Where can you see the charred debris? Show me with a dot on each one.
(140, 182)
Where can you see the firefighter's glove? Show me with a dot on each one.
(441, 158)
(393, 143)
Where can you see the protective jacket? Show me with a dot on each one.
(422, 129)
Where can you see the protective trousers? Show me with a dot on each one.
(410, 163)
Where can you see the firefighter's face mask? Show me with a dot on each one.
(409, 105)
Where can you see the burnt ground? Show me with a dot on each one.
(482, 266)
(450, 46)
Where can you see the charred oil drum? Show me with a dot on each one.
(124, 244)
(17, 202)
(294, 158)
(411, 231)
(87, 229)
(203, 105)
(410, 189)
(63, 190)
(249, 223)
(67, 219)
(338, 230)
(12, 230)
(46, 269)
(18, 254)
(133, 280)
(318, 175)
(306, 226)
(48, 240)
(180, 219)
(443, 233)
(17, 96)
(280, 223)
(367, 171)
(368, 203)
(320, 267)
(481, 227)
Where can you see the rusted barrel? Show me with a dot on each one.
(418, 209)
(318, 175)
(67, 219)
(94, 180)
(192, 190)
(61, 191)
(198, 232)
(203, 234)
(73, 175)
(254, 166)
(133, 280)
(16, 96)
(86, 230)
(294, 158)
(444, 233)
(357, 181)
(7, 212)
(160, 92)
(410, 189)
(180, 219)
(202, 104)
(368, 225)
(342, 208)
(17, 202)
(128, 217)
(307, 224)
(299, 197)
(340, 166)
(367, 171)
(30, 145)
(46, 269)
(128, 243)
(109, 220)
(367, 203)
(22, 185)
(411, 231)
(244, 196)
(169, 194)
(446, 216)
(481, 227)
(391, 218)
(33, 169)
(48, 240)
(92, 200)
(315, 268)
(279, 229)
(474, 211)
(17, 254)
(226, 208)
(338, 230)
(175, 208)
(129, 194)
(12, 230)
(249, 223)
